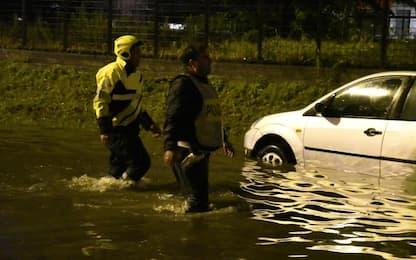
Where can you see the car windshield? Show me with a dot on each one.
(369, 99)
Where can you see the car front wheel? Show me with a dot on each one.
(273, 155)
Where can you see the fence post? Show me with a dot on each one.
(65, 29)
(206, 21)
(260, 29)
(24, 23)
(157, 30)
(109, 26)
(384, 34)
(318, 37)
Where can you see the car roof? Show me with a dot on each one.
(381, 74)
(391, 73)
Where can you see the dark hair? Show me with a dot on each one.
(192, 52)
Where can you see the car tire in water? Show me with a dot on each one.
(273, 155)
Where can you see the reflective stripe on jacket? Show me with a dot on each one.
(119, 93)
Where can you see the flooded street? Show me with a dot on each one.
(57, 202)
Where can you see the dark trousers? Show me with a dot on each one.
(127, 154)
(193, 180)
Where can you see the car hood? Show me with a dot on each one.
(289, 119)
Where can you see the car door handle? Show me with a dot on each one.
(372, 132)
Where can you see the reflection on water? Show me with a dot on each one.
(58, 202)
(346, 213)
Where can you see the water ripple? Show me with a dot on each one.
(86, 183)
(337, 212)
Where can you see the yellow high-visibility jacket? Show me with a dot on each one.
(118, 101)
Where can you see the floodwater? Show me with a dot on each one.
(56, 202)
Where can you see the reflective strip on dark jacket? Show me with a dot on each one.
(183, 105)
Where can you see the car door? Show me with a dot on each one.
(398, 154)
(348, 134)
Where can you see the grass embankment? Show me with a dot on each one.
(61, 95)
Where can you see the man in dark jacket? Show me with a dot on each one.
(193, 127)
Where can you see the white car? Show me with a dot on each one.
(367, 125)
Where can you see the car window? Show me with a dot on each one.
(409, 107)
(368, 99)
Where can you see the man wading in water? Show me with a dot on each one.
(119, 111)
(193, 127)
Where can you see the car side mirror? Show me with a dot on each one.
(323, 107)
(320, 107)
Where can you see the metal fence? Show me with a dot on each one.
(251, 31)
